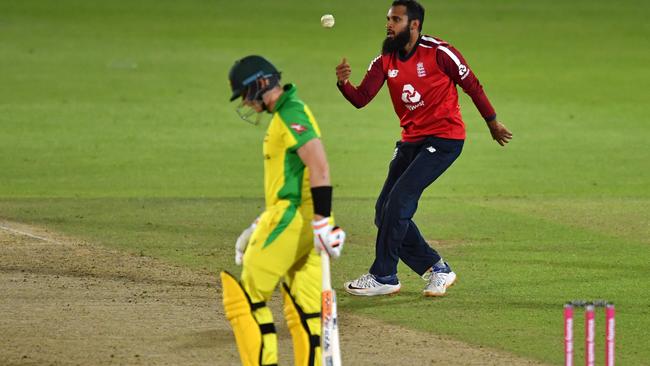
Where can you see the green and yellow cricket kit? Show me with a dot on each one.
(285, 176)
(281, 247)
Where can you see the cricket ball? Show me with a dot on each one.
(327, 21)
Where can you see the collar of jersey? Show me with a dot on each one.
(415, 47)
(289, 92)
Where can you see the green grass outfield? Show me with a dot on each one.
(115, 127)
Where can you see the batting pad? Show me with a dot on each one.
(252, 324)
(304, 329)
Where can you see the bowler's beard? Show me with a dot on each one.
(397, 43)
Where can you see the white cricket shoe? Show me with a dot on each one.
(439, 281)
(367, 285)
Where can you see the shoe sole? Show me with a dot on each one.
(349, 291)
(435, 294)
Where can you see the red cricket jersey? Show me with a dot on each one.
(422, 87)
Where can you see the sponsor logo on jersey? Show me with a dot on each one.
(392, 73)
(421, 71)
(298, 128)
(411, 97)
(412, 107)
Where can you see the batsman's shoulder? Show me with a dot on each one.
(299, 121)
(295, 111)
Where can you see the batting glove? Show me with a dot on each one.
(327, 237)
(242, 242)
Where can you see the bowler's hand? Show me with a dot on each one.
(343, 72)
(499, 132)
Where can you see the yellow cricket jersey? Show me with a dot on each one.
(286, 179)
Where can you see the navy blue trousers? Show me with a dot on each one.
(413, 168)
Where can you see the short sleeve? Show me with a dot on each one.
(300, 127)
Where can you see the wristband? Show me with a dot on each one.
(322, 197)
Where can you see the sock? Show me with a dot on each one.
(441, 266)
(387, 280)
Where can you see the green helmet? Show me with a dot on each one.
(245, 72)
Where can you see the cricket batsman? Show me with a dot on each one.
(283, 244)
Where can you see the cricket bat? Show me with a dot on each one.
(330, 349)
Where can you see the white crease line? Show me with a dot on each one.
(27, 234)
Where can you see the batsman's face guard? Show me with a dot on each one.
(249, 114)
(250, 78)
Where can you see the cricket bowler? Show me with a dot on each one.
(421, 73)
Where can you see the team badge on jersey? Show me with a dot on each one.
(298, 128)
(421, 71)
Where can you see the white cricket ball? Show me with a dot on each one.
(327, 21)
